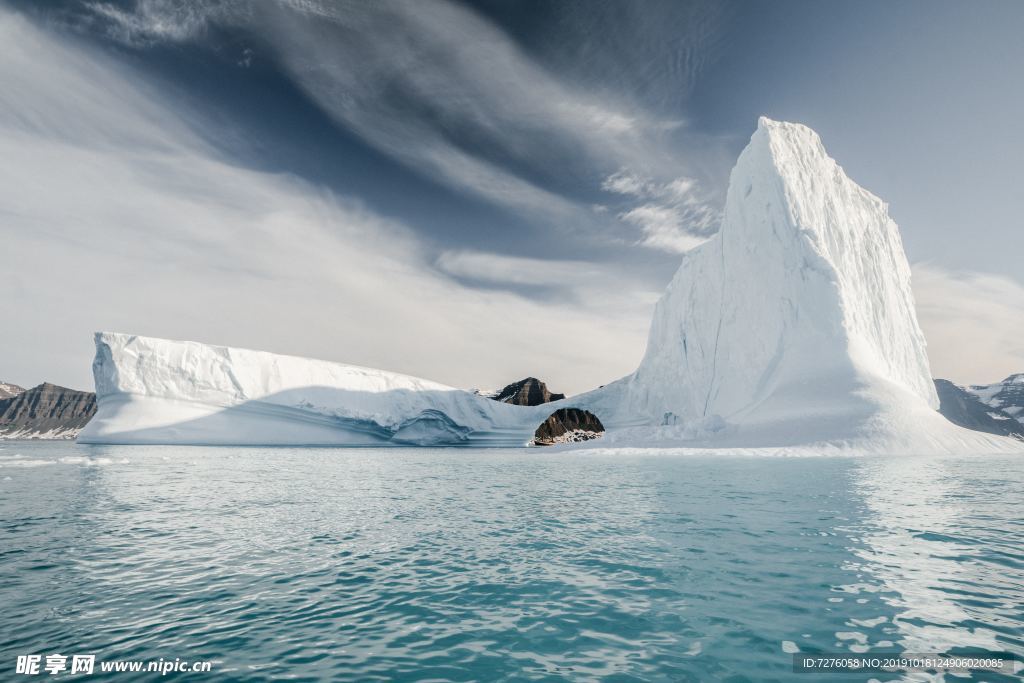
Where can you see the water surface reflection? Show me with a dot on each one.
(941, 544)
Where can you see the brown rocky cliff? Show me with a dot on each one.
(527, 392)
(566, 425)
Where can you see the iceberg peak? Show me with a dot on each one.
(800, 306)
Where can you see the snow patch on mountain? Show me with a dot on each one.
(46, 411)
(1005, 397)
(8, 390)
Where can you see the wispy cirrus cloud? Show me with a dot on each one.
(673, 216)
(417, 80)
(498, 268)
(573, 283)
(149, 22)
(445, 91)
(116, 215)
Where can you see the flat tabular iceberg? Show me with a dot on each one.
(792, 329)
(162, 391)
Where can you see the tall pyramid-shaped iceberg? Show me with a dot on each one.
(793, 327)
(802, 298)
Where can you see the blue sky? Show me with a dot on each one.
(474, 192)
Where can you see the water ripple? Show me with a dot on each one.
(314, 564)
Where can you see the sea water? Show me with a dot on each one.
(431, 564)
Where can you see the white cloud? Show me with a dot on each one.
(671, 216)
(517, 270)
(577, 283)
(974, 323)
(152, 21)
(681, 189)
(626, 182)
(662, 227)
(116, 216)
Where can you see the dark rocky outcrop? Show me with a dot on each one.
(963, 408)
(527, 392)
(568, 425)
(7, 390)
(46, 411)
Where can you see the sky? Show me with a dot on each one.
(475, 192)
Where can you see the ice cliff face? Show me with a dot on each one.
(802, 298)
(793, 328)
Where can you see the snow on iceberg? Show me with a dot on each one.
(162, 391)
(793, 329)
(804, 290)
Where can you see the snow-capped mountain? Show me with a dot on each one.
(792, 329)
(1006, 396)
(7, 390)
(963, 407)
(46, 411)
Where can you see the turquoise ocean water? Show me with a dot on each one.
(461, 565)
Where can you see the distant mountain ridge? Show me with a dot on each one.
(46, 412)
(963, 407)
(1006, 397)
